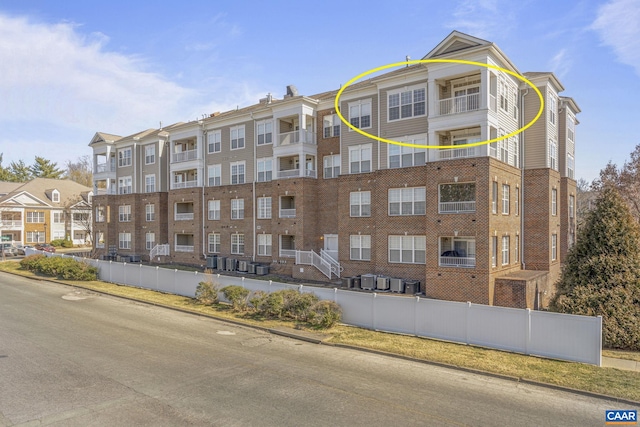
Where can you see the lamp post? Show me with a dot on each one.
(45, 232)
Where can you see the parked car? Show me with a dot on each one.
(44, 247)
(19, 249)
(7, 249)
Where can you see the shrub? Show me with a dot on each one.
(57, 243)
(325, 314)
(257, 300)
(297, 305)
(273, 305)
(60, 267)
(207, 292)
(237, 295)
(30, 262)
(67, 243)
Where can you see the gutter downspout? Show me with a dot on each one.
(522, 166)
(254, 238)
(203, 151)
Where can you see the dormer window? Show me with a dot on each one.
(55, 196)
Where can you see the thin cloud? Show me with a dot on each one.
(478, 17)
(617, 25)
(560, 64)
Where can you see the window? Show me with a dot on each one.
(264, 207)
(407, 103)
(571, 128)
(494, 251)
(360, 247)
(572, 204)
(81, 217)
(503, 89)
(237, 137)
(265, 170)
(360, 158)
(150, 212)
(100, 214)
(150, 241)
(457, 198)
(570, 166)
(553, 154)
(554, 247)
(214, 172)
(124, 241)
(505, 250)
(214, 210)
(213, 243)
(237, 244)
(264, 244)
(124, 157)
(124, 185)
(505, 199)
(331, 126)
(265, 133)
(360, 203)
(457, 252)
(150, 183)
(237, 208)
(58, 235)
(55, 196)
(494, 197)
(360, 114)
(35, 217)
(58, 217)
(124, 213)
(214, 141)
(552, 109)
(149, 154)
(331, 166)
(407, 201)
(554, 202)
(237, 172)
(516, 249)
(517, 200)
(407, 249)
(35, 237)
(402, 156)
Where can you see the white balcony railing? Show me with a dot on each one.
(184, 248)
(6, 223)
(456, 153)
(184, 156)
(287, 253)
(287, 213)
(457, 261)
(301, 136)
(184, 184)
(459, 104)
(289, 173)
(457, 207)
(105, 167)
(184, 216)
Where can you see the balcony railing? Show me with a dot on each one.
(456, 153)
(184, 216)
(296, 137)
(287, 213)
(457, 207)
(184, 156)
(105, 167)
(6, 223)
(295, 173)
(184, 248)
(287, 253)
(184, 184)
(459, 104)
(457, 261)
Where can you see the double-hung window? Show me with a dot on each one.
(214, 141)
(505, 250)
(237, 172)
(404, 104)
(213, 243)
(554, 202)
(403, 156)
(124, 185)
(124, 213)
(265, 132)
(572, 206)
(264, 244)
(360, 158)
(124, 157)
(237, 244)
(237, 208)
(150, 212)
(35, 217)
(265, 169)
(149, 154)
(571, 166)
(407, 249)
(360, 114)
(360, 203)
(551, 105)
(237, 137)
(554, 247)
(331, 126)
(331, 166)
(214, 173)
(407, 201)
(360, 247)
(150, 240)
(213, 210)
(264, 207)
(505, 199)
(553, 154)
(150, 183)
(124, 240)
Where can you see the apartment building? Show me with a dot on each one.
(44, 209)
(284, 181)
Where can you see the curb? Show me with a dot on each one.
(311, 340)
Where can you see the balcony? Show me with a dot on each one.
(287, 253)
(301, 136)
(456, 153)
(457, 261)
(184, 184)
(183, 248)
(459, 104)
(105, 167)
(287, 213)
(11, 223)
(184, 216)
(457, 207)
(184, 156)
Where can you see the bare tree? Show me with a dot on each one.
(80, 171)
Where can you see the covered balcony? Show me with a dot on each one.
(183, 211)
(184, 150)
(461, 137)
(185, 179)
(296, 129)
(287, 207)
(287, 246)
(184, 243)
(289, 167)
(457, 198)
(457, 252)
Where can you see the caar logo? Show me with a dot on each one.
(621, 417)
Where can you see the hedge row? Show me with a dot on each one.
(60, 267)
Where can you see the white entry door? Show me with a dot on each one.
(331, 245)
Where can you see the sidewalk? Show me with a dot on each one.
(625, 365)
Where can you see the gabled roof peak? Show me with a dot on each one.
(456, 41)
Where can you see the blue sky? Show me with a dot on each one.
(69, 69)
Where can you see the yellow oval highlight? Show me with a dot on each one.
(424, 61)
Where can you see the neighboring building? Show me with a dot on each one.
(45, 209)
(271, 182)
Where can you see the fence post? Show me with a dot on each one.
(527, 336)
(415, 315)
(110, 262)
(300, 289)
(157, 277)
(140, 275)
(599, 340)
(175, 277)
(373, 312)
(335, 295)
(243, 281)
(468, 322)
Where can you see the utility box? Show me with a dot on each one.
(396, 285)
(382, 283)
(212, 262)
(411, 286)
(356, 282)
(262, 270)
(368, 281)
(243, 266)
(222, 262)
(231, 264)
(251, 267)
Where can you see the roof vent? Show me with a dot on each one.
(292, 90)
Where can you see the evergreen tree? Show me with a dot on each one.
(19, 172)
(4, 172)
(43, 168)
(601, 275)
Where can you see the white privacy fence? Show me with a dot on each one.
(554, 335)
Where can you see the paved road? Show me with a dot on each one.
(75, 358)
